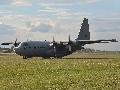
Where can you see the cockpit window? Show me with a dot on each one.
(25, 44)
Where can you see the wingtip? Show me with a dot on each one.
(114, 40)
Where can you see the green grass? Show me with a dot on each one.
(60, 74)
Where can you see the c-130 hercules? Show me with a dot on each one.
(54, 49)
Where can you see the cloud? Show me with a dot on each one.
(6, 30)
(91, 1)
(40, 26)
(15, 2)
(43, 28)
(106, 25)
(5, 12)
(61, 12)
(54, 11)
(66, 1)
(17, 20)
(3, 2)
(21, 3)
(30, 2)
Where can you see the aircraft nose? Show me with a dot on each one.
(17, 50)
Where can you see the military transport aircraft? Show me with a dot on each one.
(46, 49)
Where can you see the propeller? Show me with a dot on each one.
(69, 45)
(54, 46)
(14, 43)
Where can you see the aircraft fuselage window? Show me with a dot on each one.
(42, 47)
(24, 47)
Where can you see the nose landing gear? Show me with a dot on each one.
(25, 57)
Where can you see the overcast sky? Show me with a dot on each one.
(43, 19)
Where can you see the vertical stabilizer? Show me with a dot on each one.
(84, 33)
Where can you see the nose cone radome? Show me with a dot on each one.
(17, 51)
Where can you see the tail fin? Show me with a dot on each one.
(84, 33)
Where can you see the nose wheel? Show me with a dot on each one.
(24, 57)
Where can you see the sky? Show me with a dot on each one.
(43, 19)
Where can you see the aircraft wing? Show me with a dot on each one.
(6, 43)
(83, 42)
(15, 44)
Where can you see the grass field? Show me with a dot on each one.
(97, 71)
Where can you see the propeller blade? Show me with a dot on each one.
(16, 40)
(70, 48)
(69, 38)
(69, 45)
(54, 49)
(16, 43)
(54, 46)
(53, 39)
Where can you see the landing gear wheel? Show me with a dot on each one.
(59, 57)
(24, 57)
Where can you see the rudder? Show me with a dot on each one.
(84, 33)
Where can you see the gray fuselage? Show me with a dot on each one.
(42, 49)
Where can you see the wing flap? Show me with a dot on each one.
(95, 41)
